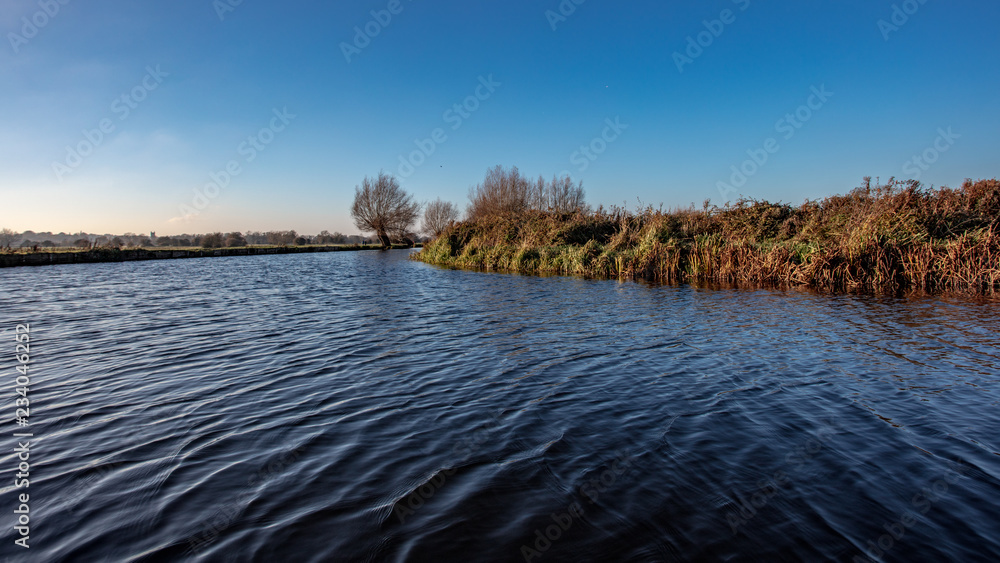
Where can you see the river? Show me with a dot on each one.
(367, 407)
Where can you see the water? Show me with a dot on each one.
(364, 407)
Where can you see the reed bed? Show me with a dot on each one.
(893, 237)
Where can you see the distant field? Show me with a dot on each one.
(65, 249)
(66, 255)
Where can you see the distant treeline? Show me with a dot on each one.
(31, 240)
(893, 237)
(105, 254)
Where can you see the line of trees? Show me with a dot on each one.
(9, 240)
(383, 207)
(275, 238)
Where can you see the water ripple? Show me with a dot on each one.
(364, 407)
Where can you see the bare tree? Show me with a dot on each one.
(507, 192)
(438, 215)
(324, 237)
(8, 237)
(564, 196)
(538, 195)
(256, 237)
(213, 240)
(503, 192)
(281, 238)
(235, 239)
(381, 206)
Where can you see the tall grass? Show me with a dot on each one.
(878, 238)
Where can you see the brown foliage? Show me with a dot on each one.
(505, 192)
(877, 238)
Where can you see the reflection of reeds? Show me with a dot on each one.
(892, 237)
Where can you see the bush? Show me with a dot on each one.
(235, 240)
(213, 240)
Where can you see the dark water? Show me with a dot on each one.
(363, 407)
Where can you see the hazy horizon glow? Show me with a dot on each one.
(219, 115)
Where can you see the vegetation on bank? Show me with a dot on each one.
(894, 237)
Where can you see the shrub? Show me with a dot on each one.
(213, 240)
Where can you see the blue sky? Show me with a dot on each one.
(186, 89)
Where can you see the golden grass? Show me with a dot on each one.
(878, 238)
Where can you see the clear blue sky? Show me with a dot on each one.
(198, 80)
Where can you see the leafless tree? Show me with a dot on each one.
(324, 237)
(563, 196)
(281, 238)
(8, 237)
(235, 239)
(537, 197)
(382, 207)
(213, 240)
(438, 215)
(507, 192)
(256, 237)
(503, 192)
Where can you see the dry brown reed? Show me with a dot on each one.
(893, 237)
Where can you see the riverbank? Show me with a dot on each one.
(880, 239)
(12, 259)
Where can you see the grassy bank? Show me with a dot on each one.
(878, 238)
(85, 256)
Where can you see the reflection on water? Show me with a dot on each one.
(361, 406)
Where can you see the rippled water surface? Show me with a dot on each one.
(365, 407)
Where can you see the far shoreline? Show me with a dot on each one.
(103, 255)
